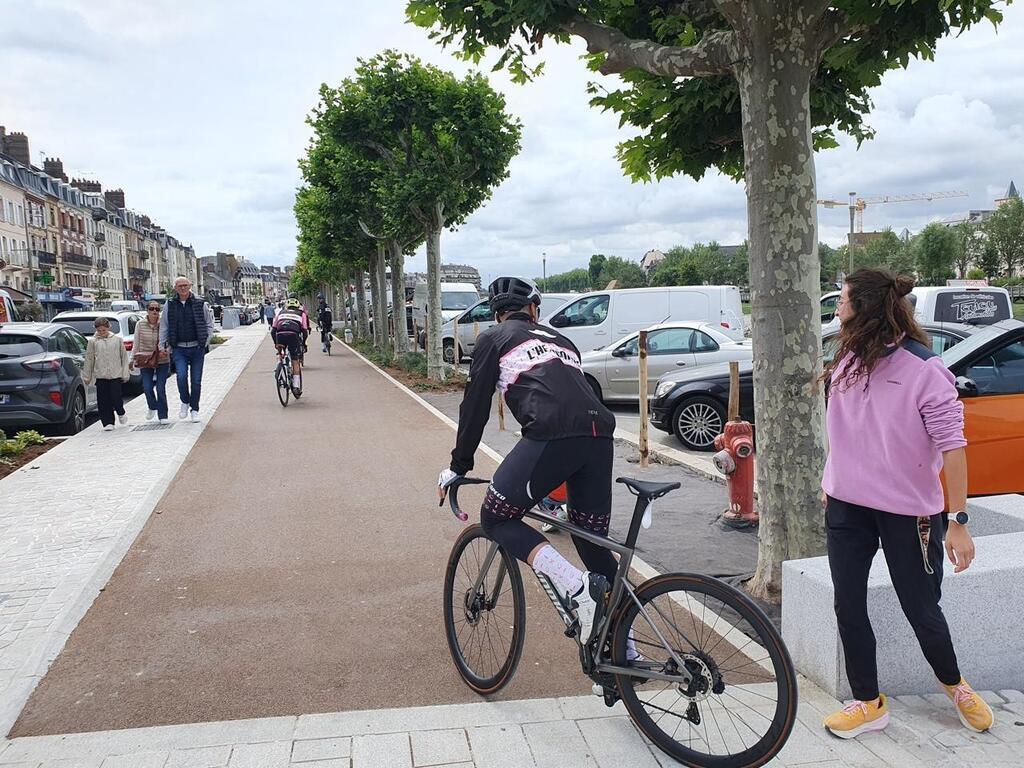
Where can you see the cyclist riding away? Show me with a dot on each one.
(325, 320)
(567, 437)
(290, 329)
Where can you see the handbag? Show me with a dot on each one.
(149, 362)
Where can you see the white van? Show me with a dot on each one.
(596, 319)
(456, 298)
(8, 312)
(125, 306)
(972, 305)
(469, 324)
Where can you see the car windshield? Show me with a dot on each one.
(86, 325)
(966, 347)
(451, 300)
(12, 345)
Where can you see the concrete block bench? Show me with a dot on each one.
(984, 607)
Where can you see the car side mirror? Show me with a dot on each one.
(622, 352)
(966, 387)
(559, 321)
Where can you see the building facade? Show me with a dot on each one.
(14, 251)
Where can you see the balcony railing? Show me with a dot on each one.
(100, 237)
(138, 274)
(79, 259)
(45, 257)
(102, 264)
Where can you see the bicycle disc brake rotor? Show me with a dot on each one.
(473, 603)
(706, 678)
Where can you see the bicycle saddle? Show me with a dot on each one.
(648, 490)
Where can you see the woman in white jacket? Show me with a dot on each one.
(106, 363)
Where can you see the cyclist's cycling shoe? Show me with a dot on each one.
(590, 605)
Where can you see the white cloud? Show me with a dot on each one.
(197, 109)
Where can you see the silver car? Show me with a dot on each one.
(478, 318)
(614, 371)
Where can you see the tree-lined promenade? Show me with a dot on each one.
(751, 89)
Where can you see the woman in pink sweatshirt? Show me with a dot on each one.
(893, 422)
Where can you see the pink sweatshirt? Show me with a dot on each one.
(886, 442)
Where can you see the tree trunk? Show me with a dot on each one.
(398, 298)
(774, 80)
(378, 338)
(363, 315)
(435, 361)
(381, 304)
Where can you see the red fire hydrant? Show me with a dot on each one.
(735, 460)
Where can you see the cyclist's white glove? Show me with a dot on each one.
(445, 479)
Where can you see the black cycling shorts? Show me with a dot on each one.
(291, 340)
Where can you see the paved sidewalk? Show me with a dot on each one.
(67, 519)
(577, 732)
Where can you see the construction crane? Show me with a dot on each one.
(858, 204)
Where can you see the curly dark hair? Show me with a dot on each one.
(882, 317)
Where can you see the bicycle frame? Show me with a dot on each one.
(621, 586)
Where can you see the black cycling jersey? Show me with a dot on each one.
(538, 372)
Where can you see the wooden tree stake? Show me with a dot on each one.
(644, 445)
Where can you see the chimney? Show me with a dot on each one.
(87, 186)
(146, 221)
(52, 166)
(115, 197)
(16, 146)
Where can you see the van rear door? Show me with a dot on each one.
(731, 314)
(974, 306)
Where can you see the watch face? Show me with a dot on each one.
(961, 517)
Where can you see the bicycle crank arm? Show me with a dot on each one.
(683, 679)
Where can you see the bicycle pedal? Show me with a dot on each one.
(573, 629)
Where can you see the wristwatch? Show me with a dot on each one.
(960, 517)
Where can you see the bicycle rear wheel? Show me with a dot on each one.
(741, 705)
(485, 626)
(284, 386)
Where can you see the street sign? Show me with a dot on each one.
(46, 278)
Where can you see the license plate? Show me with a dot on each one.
(5, 399)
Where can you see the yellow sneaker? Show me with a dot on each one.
(859, 717)
(974, 711)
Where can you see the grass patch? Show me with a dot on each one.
(410, 368)
(1018, 310)
(746, 307)
(217, 339)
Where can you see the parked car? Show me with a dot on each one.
(8, 312)
(41, 377)
(693, 405)
(989, 371)
(594, 319)
(614, 372)
(125, 306)
(973, 305)
(455, 299)
(121, 324)
(461, 331)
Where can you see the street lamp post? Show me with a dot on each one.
(853, 212)
(544, 262)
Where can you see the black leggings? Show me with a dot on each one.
(532, 470)
(913, 551)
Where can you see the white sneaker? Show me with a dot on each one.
(108, 428)
(165, 421)
(123, 418)
(183, 413)
(589, 605)
(194, 417)
(150, 414)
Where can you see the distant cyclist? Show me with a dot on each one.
(290, 329)
(567, 437)
(324, 319)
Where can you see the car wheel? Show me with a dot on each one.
(449, 352)
(596, 387)
(697, 421)
(75, 422)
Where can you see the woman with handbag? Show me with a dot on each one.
(153, 362)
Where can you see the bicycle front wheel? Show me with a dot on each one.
(284, 387)
(740, 705)
(484, 611)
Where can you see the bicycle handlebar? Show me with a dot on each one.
(452, 493)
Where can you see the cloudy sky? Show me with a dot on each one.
(197, 110)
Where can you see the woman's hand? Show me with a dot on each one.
(959, 547)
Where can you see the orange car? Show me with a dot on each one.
(989, 371)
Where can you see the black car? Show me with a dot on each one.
(693, 405)
(41, 377)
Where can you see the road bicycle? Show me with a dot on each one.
(283, 377)
(325, 339)
(713, 685)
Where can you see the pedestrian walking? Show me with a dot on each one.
(268, 310)
(153, 362)
(106, 363)
(186, 327)
(893, 423)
